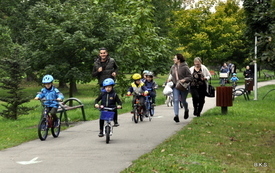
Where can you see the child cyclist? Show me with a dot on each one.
(110, 99)
(137, 88)
(151, 86)
(51, 95)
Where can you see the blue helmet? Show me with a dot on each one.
(145, 72)
(47, 79)
(108, 82)
(234, 74)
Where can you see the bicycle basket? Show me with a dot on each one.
(107, 115)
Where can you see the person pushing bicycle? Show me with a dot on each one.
(110, 99)
(137, 88)
(51, 95)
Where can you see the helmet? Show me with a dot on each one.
(108, 82)
(145, 72)
(136, 76)
(234, 74)
(150, 74)
(47, 79)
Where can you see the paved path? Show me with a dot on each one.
(79, 149)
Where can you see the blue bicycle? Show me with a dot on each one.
(150, 110)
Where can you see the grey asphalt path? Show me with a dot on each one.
(79, 149)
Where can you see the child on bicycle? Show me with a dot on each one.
(144, 75)
(110, 99)
(234, 78)
(151, 85)
(51, 95)
(137, 88)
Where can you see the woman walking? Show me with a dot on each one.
(198, 86)
(180, 72)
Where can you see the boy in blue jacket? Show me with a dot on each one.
(52, 96)
(151, 86)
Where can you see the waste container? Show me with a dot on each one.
(224, 97)
(249, 83)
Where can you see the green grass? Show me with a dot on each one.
(236, 142)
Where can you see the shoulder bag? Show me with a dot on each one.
(182, 86)
(210, 92)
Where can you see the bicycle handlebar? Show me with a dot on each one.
(108, 108)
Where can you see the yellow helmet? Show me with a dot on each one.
(136, 76)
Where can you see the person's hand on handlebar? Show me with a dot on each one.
(97, 105)
(119, 106)
(128, 93)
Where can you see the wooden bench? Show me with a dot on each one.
(267, 76)
(213, 73)
(74, 103)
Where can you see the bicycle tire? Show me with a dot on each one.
(152, 111)
(135, 115)
(56, 130)
(43, 129)
(107, 133)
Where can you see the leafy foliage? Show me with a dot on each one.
(14, 68)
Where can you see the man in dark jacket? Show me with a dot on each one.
(104, 67)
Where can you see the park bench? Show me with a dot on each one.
(74, 103)
(213, 73)
(267, 76)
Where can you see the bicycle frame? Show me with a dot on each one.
(46, 122)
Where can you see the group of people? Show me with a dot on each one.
(105, 69)
(197, 77)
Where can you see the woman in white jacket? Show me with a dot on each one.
(198, 86)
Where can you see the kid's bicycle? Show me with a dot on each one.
(107, 114)
(46, 122)
(138, 111)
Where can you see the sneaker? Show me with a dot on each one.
(100, 134)
(176, 119)
(153, 104)
(186, 114)
(116, 124)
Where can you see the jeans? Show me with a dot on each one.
(179, 96)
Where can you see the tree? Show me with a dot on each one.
(14, 69)
(216, 37)
(260, 19)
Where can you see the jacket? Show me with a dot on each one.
(108, 99)
(137, 89)
(183, 73)
(109, 66)
(50, 95)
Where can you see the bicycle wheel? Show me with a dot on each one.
(135, 116)
(56, 129)
(107, 133)
(152, 111)
(43, 129)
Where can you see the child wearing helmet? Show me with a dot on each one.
(151, 85)
(234, 78)
(137, 88)
(52, 95)
(144, 75)
(108, 98)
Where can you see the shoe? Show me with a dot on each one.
(195, 113)
(116, 124)
(100, 134)
(132, 111)
(199, 114)
(153, 104)
(176, 119)
(186, 114)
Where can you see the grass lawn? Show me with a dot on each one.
(240, 141)
(243, 140)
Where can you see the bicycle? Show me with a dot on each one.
(138, 111)
(107, 114)
(46, 122)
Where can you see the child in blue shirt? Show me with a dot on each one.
(52, 96)
(234, 78)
